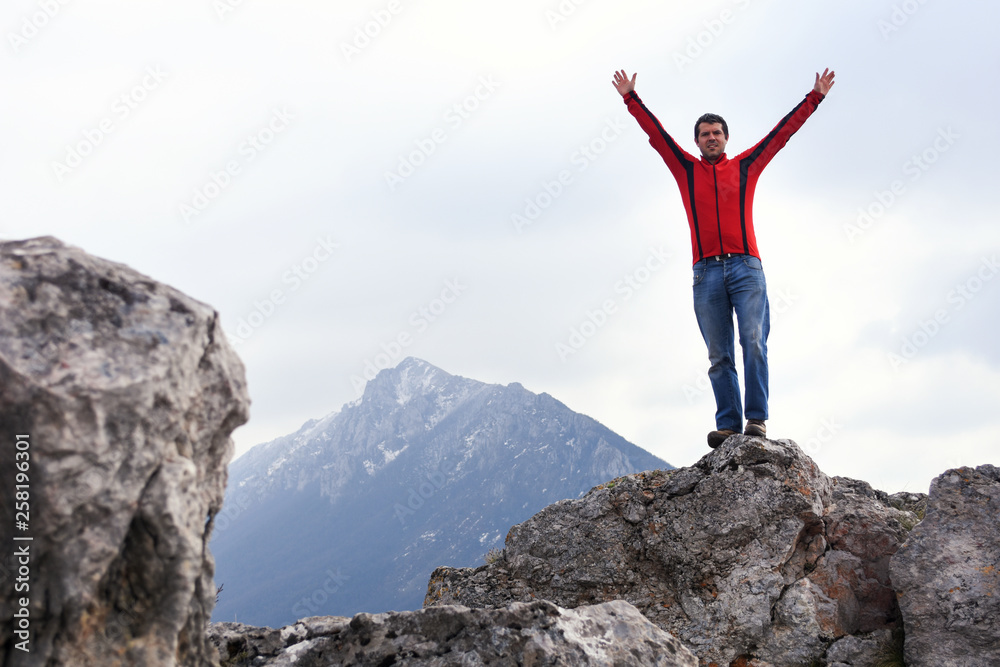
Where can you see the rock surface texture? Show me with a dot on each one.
(750, 557)
(125, 393)
(946, 573)
(536, 634)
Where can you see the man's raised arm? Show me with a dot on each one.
(672, 154)
(765, 149)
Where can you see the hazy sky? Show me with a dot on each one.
(351, 183)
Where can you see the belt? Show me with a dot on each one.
(719, 258)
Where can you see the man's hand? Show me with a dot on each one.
(824, 83)
(624, 85)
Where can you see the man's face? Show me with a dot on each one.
(711, 140)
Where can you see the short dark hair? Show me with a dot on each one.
(711, 118)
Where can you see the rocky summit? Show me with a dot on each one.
(752, 556)
(121, 394)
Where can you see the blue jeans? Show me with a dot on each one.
(722, 286)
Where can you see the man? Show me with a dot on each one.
(717, 192)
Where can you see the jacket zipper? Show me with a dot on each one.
(718, 216)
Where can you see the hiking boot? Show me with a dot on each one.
(755, 427)
(716, 438)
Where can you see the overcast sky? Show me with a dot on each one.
(351, 183)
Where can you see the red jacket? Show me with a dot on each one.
(718, 198)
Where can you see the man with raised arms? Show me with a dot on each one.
(717, 192)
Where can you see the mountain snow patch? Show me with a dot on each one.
(275, 465)
(388, 456)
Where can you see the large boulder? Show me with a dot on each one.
(537, 633)
(751, 556)
(947, 573)
(121, 393)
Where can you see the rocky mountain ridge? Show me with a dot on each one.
(422, 396)
(353, 511)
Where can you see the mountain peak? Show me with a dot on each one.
(414, 362)
(411, 376)
(416, 376)
(426, 468)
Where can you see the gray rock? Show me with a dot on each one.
(946, 574)
(910, 502)
(750, 555)
(127, 393)
(241, 644)
(878, 648)
(536, 633)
